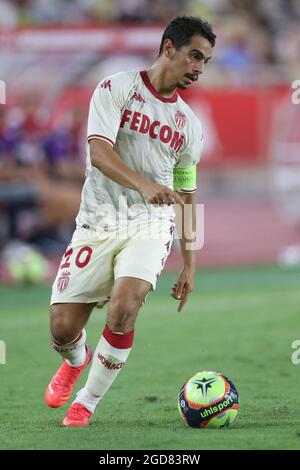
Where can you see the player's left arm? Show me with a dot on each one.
(186, 227)
(185, 182)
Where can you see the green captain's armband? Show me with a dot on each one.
(184, 179)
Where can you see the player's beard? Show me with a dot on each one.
(182, 86)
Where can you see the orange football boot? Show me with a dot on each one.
(77, 415)
(62, 384)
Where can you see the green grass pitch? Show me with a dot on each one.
(240, 322)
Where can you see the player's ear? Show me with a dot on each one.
(169, 49)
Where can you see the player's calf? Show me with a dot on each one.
(122, 313)
(77, 355)
(110, 356)
(73, 352)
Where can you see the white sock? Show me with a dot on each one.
(110, 355)
(73, 352)
(87, 399)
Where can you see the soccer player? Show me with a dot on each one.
(143, 144)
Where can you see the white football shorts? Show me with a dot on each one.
(94, 260)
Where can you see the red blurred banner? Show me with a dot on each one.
(237, 122)
(102, 38)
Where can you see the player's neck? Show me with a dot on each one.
(160, 80)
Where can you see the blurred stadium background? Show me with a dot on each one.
(240, 321)
(53, 53)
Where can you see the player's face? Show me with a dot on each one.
(189, 61)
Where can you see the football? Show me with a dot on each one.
(208, 400)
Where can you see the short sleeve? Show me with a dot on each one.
(185, 171)
(106, 108)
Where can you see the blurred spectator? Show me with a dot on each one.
(131, 10)
(39, 190)
(64, 149)
(288, 45)
(9, 15)
(269, 20)
(102, 11)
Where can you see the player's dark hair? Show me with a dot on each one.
(182, 28)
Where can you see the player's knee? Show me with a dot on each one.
(62, 330)
(125, 307)
(122, 314)
(121, 325)
(62, 333)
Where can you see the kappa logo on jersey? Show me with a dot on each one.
(136, 96)
(142, 123)
(110, 362)
(63, 281)
(180, 119)
(106, 84)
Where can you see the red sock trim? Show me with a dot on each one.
(55, 342)
(74, 341)
(77, 339)
(119, 341)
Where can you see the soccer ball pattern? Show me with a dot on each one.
(208, 400)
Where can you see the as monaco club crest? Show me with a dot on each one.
(180, 119)
(63, 281)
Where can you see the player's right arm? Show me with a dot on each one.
(111, 165)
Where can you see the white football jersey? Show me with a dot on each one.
(151, 134)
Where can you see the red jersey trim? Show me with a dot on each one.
(151, 88)
(101, 137)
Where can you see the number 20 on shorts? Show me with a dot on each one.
(82, 258)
